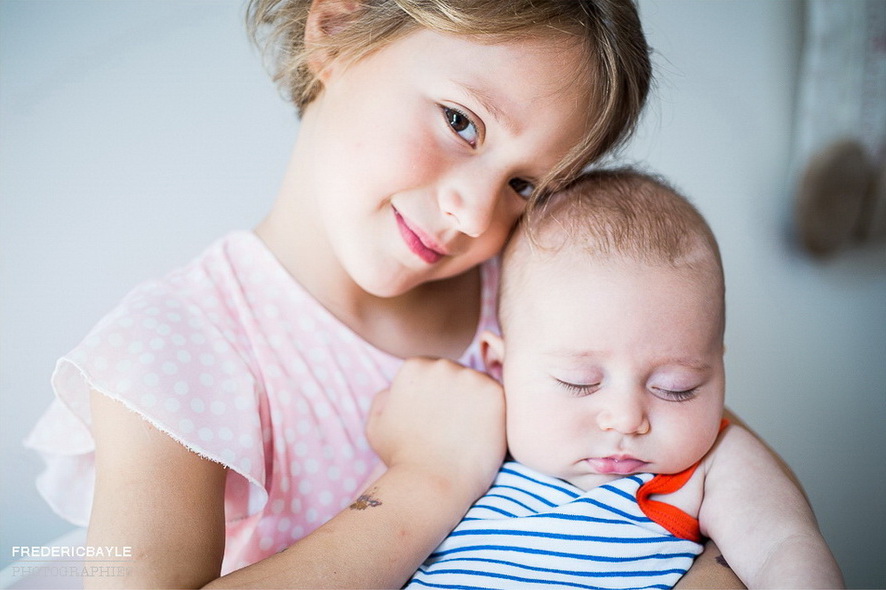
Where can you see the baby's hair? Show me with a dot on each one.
(618, 213)
(616, 68)
(628, 212)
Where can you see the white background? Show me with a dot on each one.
(132, 134)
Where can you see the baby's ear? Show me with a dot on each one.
(492, 348)
(325, 19)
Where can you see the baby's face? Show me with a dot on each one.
(610, 368)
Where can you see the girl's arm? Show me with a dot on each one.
(761, 520)
(157, 497)
(440, 430)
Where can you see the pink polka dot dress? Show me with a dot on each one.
(233, 359)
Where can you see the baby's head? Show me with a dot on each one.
(614, 68)
(612, 317)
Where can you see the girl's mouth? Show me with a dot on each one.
(418, 242)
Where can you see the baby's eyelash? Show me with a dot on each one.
(677, 396)
(577, 388)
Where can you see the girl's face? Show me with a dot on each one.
(421, 155)
(609, 368)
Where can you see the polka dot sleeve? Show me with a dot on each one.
(182, 365)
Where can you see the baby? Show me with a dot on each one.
(611, 356)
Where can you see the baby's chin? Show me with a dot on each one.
(589, 481)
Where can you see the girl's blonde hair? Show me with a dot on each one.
(616, 66)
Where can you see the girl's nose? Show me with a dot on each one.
(471, 203)
(624, 413)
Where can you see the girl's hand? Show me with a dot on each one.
(442, 420)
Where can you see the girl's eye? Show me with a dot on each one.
(462, 125)
(579, 389)
(522, 187)
(675, 396)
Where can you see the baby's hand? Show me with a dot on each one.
(441, 419)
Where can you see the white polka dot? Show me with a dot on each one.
(295, 506)
(183, 356)
(170, 368)
(242, 403)
(181, 388)
(157, 343)
(198, 405)
(123, 385)
(284, 524)
(305, 487)
(295, 468)
(300, 449)
(151, 379)
(135, 347)
(149, 323)
(206, 434)
(185, 425)
(116, 339)
(225, 433)
(228, 456)
(312, 465)
(164, 329)
(311, 515)
(277, 506)
(221, 346)
(149, 400)
(124, 366)
(325, 497)
(246, 464)
(297, 532)
(178, 339)
(100, 363)
(207, 359)
(146, 358)
(289, 435)
(246, 440)
(229, 385)
(323, 410)
(174, 317)
(218, 407)
(266, 543)
(171, 404)
(349, 484)
(334, 472)
(311, 389)
(207, 379)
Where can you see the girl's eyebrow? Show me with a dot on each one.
(491, 106)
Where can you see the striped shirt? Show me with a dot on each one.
(535, 531)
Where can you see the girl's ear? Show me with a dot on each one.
(325, 19)
(492, 349)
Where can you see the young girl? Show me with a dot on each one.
(214, 421)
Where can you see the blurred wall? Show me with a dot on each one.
(134, 133)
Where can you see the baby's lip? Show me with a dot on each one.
(617, 464)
